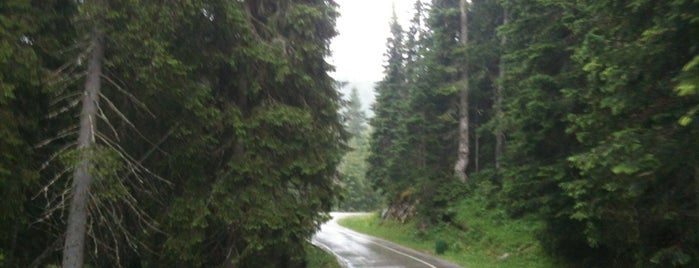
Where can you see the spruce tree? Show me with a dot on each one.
(384, 158)
(629, 126)
(358, 194)
(355, 115)
(216, 138)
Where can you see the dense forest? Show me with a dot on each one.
(183, 133)
(582, 114)
(356, 192)
(165, 133)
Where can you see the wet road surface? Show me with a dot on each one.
(358, 250)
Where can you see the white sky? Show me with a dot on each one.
(358, 50)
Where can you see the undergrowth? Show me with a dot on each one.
(318, 258)
(478, 234)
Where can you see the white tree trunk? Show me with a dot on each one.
(74, 245)
(463, 151)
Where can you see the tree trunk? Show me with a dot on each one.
(499, 135)
(74, 245)
(463, 151)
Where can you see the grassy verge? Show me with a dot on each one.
(477, 237)
(317, 258)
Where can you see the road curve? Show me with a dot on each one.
(353, 249)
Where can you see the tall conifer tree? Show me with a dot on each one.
(384, 158)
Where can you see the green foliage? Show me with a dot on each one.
(385, 169)
(25, 36)
(354, 115)
(689, 86)
(277, 132)
(106, 168)
(625, 162)
(357, 194)
(317, 258)
(218, 135)
(599, 107)
(440, 247)
(219, 132)
(607, 107)
(477, 236)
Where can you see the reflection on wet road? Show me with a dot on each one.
(357, 250)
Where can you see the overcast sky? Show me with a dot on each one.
(358, 50)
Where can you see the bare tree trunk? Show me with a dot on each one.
(74, 245)
(499, 135)
(463, 151)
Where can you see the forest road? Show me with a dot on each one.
(353, 249)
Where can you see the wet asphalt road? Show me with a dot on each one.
(358, 250)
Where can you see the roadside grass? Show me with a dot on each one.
(318, 258)
(477, 237)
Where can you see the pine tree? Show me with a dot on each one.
(431, 127)
(355, 116)
(629, 166)
(484, 52)
(608, 111)
(499, 99)
(384, 158)
(27, 32)
(214, 118)
(358, 194)
(539, 68)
